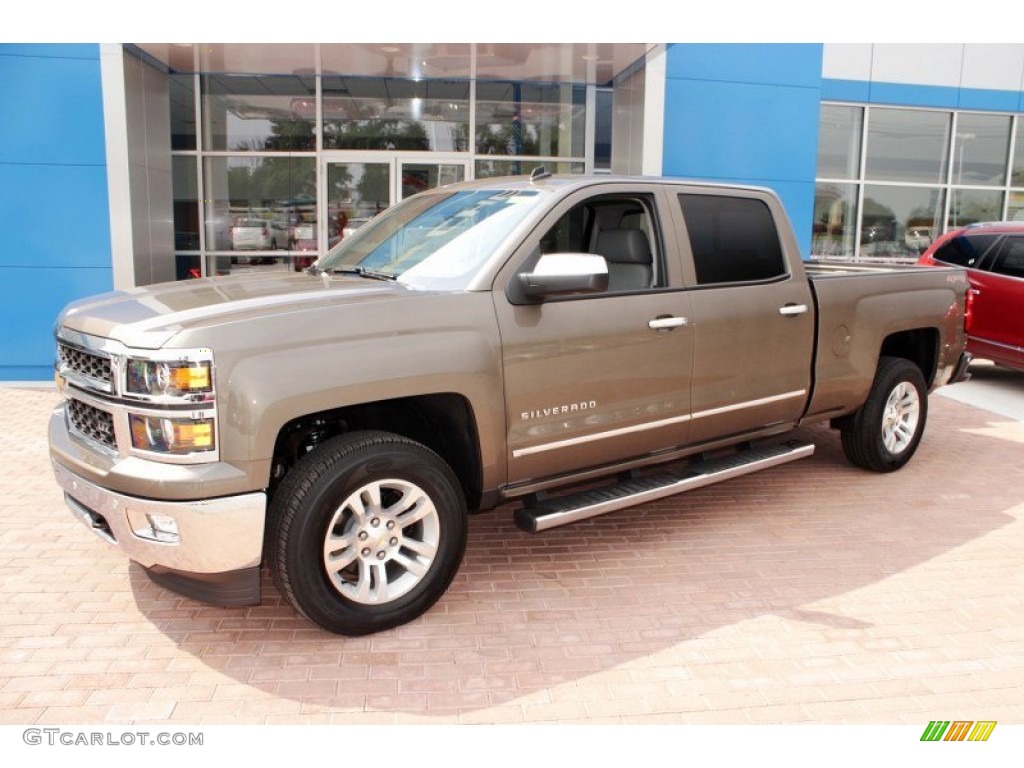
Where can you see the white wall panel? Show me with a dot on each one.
(994, 66)
(919, 64)
(847, 61)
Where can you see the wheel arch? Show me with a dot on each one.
(443, 422)
(918, 345)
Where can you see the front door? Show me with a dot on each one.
(597, 379)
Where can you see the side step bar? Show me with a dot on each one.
(598, 501)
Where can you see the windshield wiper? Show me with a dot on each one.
(362, 272)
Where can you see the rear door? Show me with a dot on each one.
(592, 380)
(753, 320)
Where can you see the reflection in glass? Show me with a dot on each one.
(407, 115)
(899, 221)
(419, 177)
(279, 191)
(181, 92)
(603, 109)
(839, 142)
(980, 149)
(969, 206)
(259, 113)
(908, 145)
(356, 192)
(1017, 175)
(545, 119)
(186, 203)
(835, 219)
(486, 169)
(1015, 207)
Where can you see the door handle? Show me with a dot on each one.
(666, 323)
(791, 310)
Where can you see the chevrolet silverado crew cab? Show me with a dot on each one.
(574, 345)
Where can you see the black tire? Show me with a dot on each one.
(397, 518)
(884, 434)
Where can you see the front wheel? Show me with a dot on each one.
(884, 434)
(366, 532)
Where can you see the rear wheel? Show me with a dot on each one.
(884, 434)
(367, 532)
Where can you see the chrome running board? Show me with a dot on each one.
(564, 510)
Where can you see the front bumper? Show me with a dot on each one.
(211, 551)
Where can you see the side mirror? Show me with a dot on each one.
(557, 274)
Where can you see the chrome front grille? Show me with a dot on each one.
(91, 422)
(84, 364)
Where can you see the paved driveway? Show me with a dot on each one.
(813, 592)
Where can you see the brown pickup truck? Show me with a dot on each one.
(577, 345)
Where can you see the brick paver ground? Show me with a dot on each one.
(813, 592)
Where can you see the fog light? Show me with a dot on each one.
(155, 527)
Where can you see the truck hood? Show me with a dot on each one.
(148, 317)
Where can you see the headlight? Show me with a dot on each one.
(159, 378)
(173, 435)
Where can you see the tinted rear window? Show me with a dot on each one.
(1011, 258)
(965, 250)
(733, 239)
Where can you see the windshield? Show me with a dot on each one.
(434, 241)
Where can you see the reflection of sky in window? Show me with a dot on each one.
(980, 152)
(247, 133)
(839, 142)
(907, 145)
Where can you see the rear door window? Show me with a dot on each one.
(965, 250)
(733, 239)
(1010, 259)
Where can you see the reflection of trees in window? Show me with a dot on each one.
(834, 217)
(271, 181)
(290, 136)
(381, 133)
(508, 139)
(970, 207)
(878, 222)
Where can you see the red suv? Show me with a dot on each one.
(993, 255)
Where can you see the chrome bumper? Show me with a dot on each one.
(206, 537)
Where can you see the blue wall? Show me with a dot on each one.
(54, 209)
(748, 114)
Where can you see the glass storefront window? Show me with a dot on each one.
(387, 114)
(908, 145)
(1015, 208)
(356, 192)
(259, 113)
(839, 141)
(1017, 174)
(486, 169)
(243, 191)
(186, 203)
(539, 119)
(969, 206)
(182, 97)
(604, 108)
(835, 220)
(980, 149)
(899, 221)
